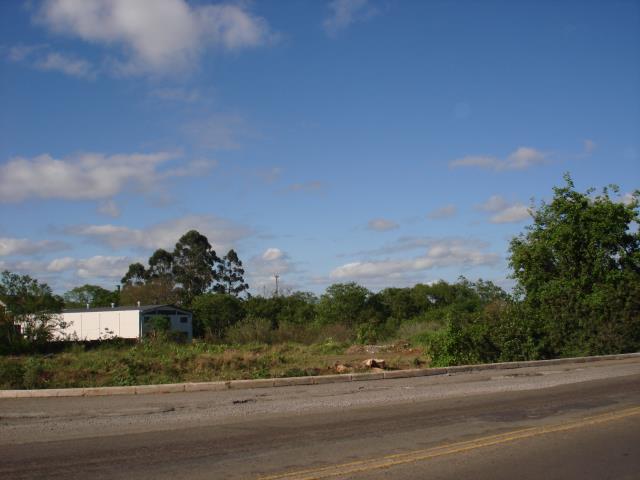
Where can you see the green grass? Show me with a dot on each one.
(156, 362)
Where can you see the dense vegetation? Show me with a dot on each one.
(576, 267)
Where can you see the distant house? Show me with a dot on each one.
(122, 322)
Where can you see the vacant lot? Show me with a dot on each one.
(155, 362)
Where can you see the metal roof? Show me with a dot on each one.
(141, 308)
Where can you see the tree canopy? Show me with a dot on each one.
(577, 269)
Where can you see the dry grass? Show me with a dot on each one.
(164, 362)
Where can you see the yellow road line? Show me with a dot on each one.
(426, 454)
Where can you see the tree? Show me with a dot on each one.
(343, 303)
(94, 295)
(577, 269)
(230, 275)
(194, 260)
(214, 313)
(31, 306)
(156, 291)
(136, 275)
(160, 264)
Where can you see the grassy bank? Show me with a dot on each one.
(154, 362)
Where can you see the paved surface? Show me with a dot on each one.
(574, 421)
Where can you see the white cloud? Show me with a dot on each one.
(522, 158)
(262, 268)
(442, 253)
(75, 67)
(495, 203)
(24, 246)
(88, 176)
(42, 57)
(629, 198)
(503, 211)
(109, 208)
(159, 36)
(514, 213)
(346, 12)
(442, 212)
(382, 225)
(61, 264)
(96, 267)
(272, 254)
(222, 234)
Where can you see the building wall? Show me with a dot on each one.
(180, 321)
(92, 325)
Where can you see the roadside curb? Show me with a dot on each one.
(293, 381)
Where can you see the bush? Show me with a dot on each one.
(11, 373)
(250, 330)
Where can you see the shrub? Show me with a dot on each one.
(250, 330)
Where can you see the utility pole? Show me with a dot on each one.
(277, 277)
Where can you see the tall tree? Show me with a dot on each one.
(160, 264)
(230, 275)
(136, 275)
(194, 265)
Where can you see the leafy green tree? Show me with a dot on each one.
(214, 313)
(298, 308)
(194, 265)
(230, 275)
(94, 295)
(155, 291)
(343, 303)
(577, 269)
(399, 302)
(136, 275)
(265, 308)
(160, 264)
(31, 306)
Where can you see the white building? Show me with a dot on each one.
(122, 322)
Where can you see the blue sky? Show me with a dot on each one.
(383, 142)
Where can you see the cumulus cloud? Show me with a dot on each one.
(345, 12)
(442, 212)
(24, 246)
(96, 267)
(440, 253)
(382, 225)
(158, 36)
(88, 176)
(520, 159)
(503, 211)
(222, 233)
(263, 267)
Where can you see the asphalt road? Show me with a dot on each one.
(574, 421)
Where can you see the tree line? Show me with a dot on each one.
(576, 270)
